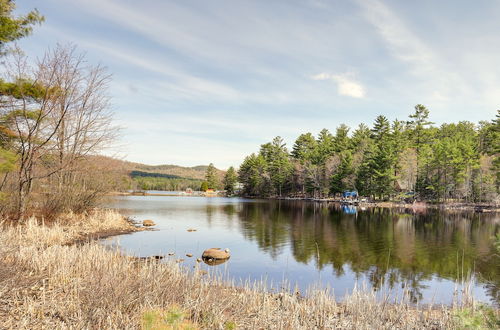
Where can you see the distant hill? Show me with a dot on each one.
(165, 171)
(195, 172)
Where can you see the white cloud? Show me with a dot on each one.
(322, 76)
(346, 84)
(403, 44)
(436, 81)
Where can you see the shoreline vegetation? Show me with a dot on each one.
(48, 278)
(410, 160)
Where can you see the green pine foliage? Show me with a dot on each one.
(230, 181)
(452, 162)
(14, 28)
(211, 177)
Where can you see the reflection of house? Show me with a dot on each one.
(189, 191)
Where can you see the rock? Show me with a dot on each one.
(151, 258)
(191, 230)
(214, 262)
(216, 253)
(148, 223)
(189, 255)
(215, 256)
(179, 260)
(199, 260)
(171, 253)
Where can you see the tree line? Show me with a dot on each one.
(173, 183)
(389, 160)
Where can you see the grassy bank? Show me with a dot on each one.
(47, 282)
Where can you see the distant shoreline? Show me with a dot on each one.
(448, 206)
(476, 207)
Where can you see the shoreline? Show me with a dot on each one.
(59, 275)
(417, 206)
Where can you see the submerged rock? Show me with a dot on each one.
(216, 253)
(148, 223)
(191, 230)
(189, 255)
(215, 256)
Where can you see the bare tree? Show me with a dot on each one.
(60, 113)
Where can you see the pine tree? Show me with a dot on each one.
(14, 28)
(230, 180)
(304, 148)
(419, 133)
(211, 177)
(342, 179)
(279, 165)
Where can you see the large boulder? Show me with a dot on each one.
(216, 253)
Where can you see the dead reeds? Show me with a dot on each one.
(47, 283)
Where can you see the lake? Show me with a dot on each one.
(310, 243)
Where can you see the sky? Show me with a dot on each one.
(198, 81)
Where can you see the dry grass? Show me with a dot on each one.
(46, 283)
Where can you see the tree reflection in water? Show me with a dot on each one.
(392, 247)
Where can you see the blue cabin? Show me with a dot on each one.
(350, 194)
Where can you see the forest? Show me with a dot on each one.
(166, 182)
(387, 161)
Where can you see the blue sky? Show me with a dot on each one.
(209, 81)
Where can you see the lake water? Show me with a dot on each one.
(311, 243)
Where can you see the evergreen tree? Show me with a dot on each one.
(211, 177)
(419, 133)
(341, 139)
(230, 180)
(492, 147)
(279, 165)
(376, 174)
(343, 179)
(204, 186)
(11, 29)
(325, 146)
(304, 148)
(453, 161)
(14, 28)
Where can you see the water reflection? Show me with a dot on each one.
(349, 209)
(390, 246)
(214, 262)
(422, 250)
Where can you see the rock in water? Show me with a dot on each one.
(148, 223)
(214, 262)
(216, 253)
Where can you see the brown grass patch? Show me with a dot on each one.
(47, 283)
